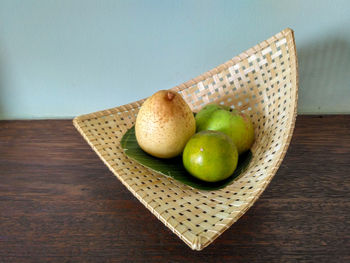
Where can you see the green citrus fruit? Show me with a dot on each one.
(204, 114)
(210, 156)
(237, 125)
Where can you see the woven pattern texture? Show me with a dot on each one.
(263, 82)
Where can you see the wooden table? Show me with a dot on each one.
(60, 203)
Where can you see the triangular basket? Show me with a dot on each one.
(262, 81)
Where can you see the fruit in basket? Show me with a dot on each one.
(204, 114)
(237, 125)
(210, 156)
(164, 124)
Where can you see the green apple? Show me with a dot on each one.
(234, 123)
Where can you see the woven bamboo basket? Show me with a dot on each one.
(262, 81)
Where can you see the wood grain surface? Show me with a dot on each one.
(60, 203)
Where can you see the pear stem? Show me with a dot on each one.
(170, 95)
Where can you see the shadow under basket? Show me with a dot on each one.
(263, 82)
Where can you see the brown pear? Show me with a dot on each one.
(164, 124)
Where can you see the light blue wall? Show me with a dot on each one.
(61, 58)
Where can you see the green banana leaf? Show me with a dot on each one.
(173, 167)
